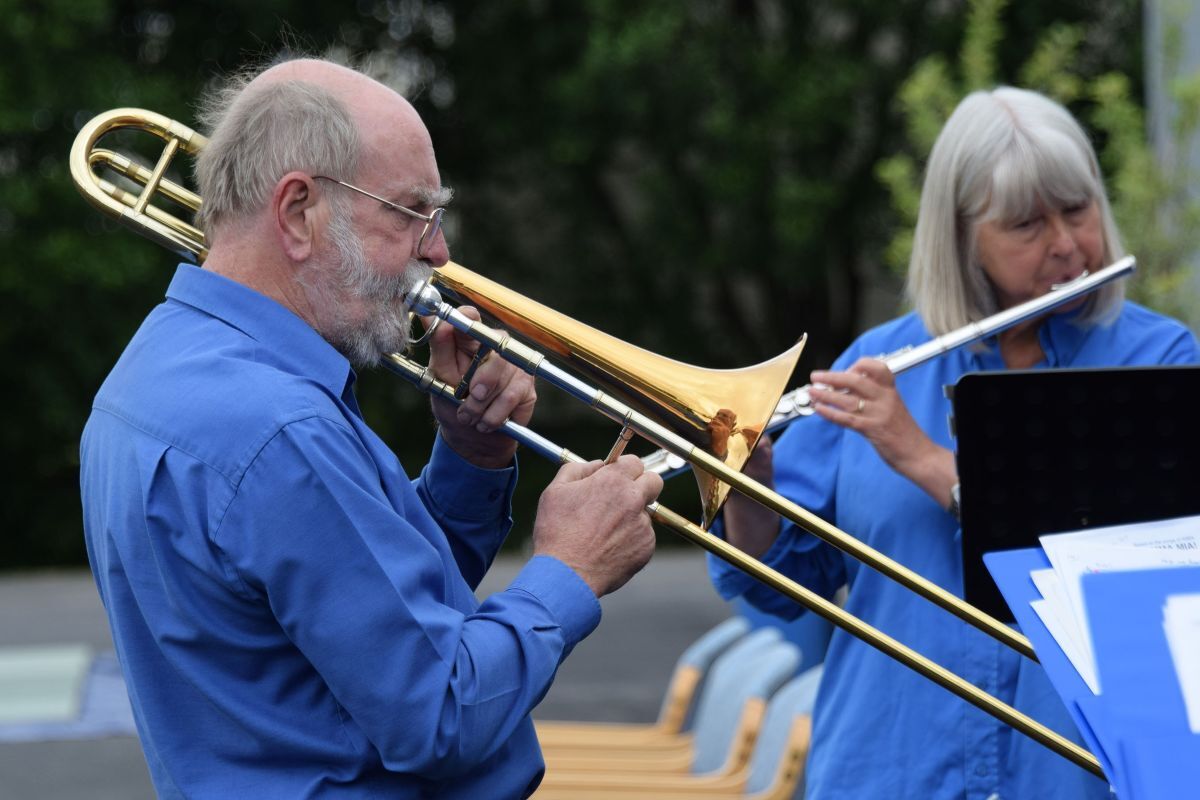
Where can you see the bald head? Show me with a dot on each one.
(385, 119)
(310, 116)
(359, 93)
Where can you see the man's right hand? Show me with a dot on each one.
(593, 518)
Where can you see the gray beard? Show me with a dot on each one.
(385, 328)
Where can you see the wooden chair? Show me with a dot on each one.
(731, 711)
(775, 771)
(677, 709)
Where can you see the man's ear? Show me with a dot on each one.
(295, 207)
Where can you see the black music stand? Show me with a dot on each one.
(1045, 451)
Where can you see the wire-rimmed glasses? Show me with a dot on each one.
(433, 221)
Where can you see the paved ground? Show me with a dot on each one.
(619, 673)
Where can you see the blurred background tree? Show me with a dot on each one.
(697, 178)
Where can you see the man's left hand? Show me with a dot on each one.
(498, 391)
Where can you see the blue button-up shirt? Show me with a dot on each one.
(294, 616)
(881, 730)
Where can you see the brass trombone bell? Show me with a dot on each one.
(721, 411)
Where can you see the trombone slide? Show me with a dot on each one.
(426, 300)
(423, 379)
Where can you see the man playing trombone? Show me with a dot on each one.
(1013, 203)
(294, 616)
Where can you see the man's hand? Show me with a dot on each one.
(498, 391)
(592, 517)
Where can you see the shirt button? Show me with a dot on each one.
(494, 495)
(981, 770)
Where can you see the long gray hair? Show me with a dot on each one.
(999, 155)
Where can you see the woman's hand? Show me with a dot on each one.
(750, 526)
(864, 399)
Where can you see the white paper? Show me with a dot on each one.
(1149, 545)
(1181, 622)
(1055, 612)
(1058, 628)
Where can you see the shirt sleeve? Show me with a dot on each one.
(472, 506)
(367, 593)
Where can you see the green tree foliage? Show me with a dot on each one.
(716, 160)
(72, 289)
(697, 178)
(1150, 197)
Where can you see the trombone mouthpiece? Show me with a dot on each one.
(423, 300)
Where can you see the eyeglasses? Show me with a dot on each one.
(433, 222)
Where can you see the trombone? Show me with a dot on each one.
(714, 434)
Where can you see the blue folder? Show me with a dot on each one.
(1137, 726)
(1010, 569)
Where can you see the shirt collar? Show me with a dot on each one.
(1060, 335)
(294, 342)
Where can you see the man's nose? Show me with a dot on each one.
(437, 252)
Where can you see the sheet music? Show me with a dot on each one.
(1181, 623)
(1149, 545)
(1054, 611)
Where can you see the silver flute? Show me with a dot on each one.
(798, 402)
